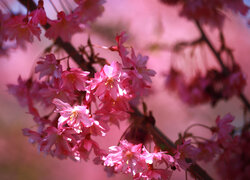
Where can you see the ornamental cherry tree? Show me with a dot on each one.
(76, 99)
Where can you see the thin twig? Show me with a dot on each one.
(211, 46)
(242, 97)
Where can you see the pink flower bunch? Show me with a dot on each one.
(67, 25)
(234, 161)
(233, 156)
(49, 67)
(212, 87)
(135, 67)
(22, 28)
(71, 94)
(221, 139)
(136, 161)
(64, 27)
(210, 12)
(231, 150)
(186, 154)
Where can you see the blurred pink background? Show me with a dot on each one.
(148, 23)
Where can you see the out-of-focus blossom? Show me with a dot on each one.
(208, 150)
(88, 10)
(49, 67)
(211, 87)
(20, 91)
(64, 27)
(186, 154)
(19, 28)
(39, 15)
(233, 163)
(210, 12)
(223, 129)
(74, 79)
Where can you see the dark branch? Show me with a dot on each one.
(167, 145)
(242, 97)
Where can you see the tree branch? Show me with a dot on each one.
(210, 45)
(167, 145)
(241, 96)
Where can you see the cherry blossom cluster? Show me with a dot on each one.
(136, 161)
(209, 88)
(22, 28)
(84, 106)
(210, 12)
(227, 146)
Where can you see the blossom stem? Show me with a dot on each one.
(197, 124)
(220, 61)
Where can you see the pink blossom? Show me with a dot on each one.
(112, 116)
(121, 39)
(125, 158)
(34, 137)
(88, 10)
(85, 146)
(139, 67)
(208, 150)
(49, 67)
(155, 174)
(186, 154)
(19, 28)
(53, 142)
(233, 163)
(76, 117)
(56, 144)
(39, 16)
(99, 128)
(139, 76)
(195, 92)
(208, 12)
(74, 79)
(26, 90)
(65, 26)
(138, 80)
(49, 92)
(137, 161)
(136, 64)
(223, 129)
(41, 121)
(109, 82)
(20, 91)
